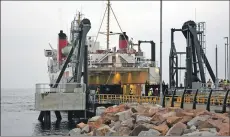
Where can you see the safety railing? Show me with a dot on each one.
(137, 64)
(188, 96)
(62, 88)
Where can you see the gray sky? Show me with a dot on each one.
(28, 27)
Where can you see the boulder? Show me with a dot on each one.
(204, 124)
(133, 110)
(150, 132)
(75, 132)
(117, 125)
(225, 130)
(145, 119)
(128, 123)
(90, 133)
(196, 119)
(81, 125)
(137, 130)
(193, 127)
(158, 119)
(85, 129)
(153, 111)
(186, 119)
(177, 129)
(172, 120)
(124, 115)
(110, 117)
(96, 124)
(147, 125)
(206, 133)
(124, 131)
(169, 114)
(112, 132)
(94, 119)
(101, 131)
(186, 131)
(163, 128)
(212, 130)
(199, 112)
(201, 133)
(196, 133)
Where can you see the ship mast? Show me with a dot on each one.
(108, 23)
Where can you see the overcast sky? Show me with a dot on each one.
(28, 27)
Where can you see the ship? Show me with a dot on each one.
(115, 70)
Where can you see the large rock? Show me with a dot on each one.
(81, 125)
(75, 132)
(132, 105)
(145, 119)
(204, 124)
(137, 130)
(196, 133)
(150, 132)
(112, 132)
(85, 129)
(110, 117)
(117, 125)
(169, 114)
(157, 119)
(153, 111)
(128, 123)
(124, 131)
(195, 120)
(116, 109)
(212, 130)
(101, 131)
(186, 119)
(163, 128)
(224, 129)
(94, 119)
(172, 120)
(124, 115)
(202, 133)
(186, 131)
(199, 112)
(147, 125)
(206, 133)
(177, 129)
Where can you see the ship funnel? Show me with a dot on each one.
(123, 41)
(62, 42)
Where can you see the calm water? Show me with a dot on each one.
(18, 117)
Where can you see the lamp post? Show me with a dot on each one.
(161, 90)
(217, 80)
(227, 72)
(228, 58)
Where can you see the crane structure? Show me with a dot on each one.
(76, 92)
(195, 58)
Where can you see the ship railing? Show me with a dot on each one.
(62, 88)
(137, 64)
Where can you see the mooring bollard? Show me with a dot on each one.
(208, 102)
(195, 100)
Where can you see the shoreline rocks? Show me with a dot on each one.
(151, 120)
